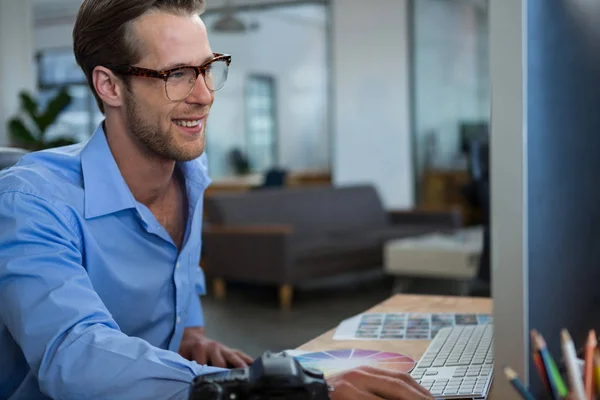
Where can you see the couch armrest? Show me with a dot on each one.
(451, 218)
(250, 253)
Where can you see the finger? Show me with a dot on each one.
(234, 359)
(186, 352)
(216, 358)
(409, 380)
(344, 390)
(245, 357)
(394, 388)
(199, 355)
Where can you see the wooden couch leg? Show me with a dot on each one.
(219, 289)
(285, 296)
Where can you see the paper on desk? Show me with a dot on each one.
(403, 325)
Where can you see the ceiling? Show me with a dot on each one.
(47, 10)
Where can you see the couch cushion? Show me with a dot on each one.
(322, 258)
(322, 247)
(311, 211)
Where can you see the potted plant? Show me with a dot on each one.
(29, 130)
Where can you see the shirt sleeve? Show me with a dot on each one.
(195, 314)
(68, 337)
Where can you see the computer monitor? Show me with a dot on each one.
(545, 177)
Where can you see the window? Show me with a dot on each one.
(261, 126)
(58, 68)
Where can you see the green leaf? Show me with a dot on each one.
(29, 104)
(53, 110)
(19, 132)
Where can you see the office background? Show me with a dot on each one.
(343, 92)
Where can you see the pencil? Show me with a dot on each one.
(590, 347)
(559, 389)
(513, 378)
(597, 369)
(570, 356)
(539, 364)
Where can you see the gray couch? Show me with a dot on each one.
(287, 236)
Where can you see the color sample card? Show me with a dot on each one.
(335, 361)
(403, 326)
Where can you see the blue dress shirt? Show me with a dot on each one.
(94, 294)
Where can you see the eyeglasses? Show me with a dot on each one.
(180, 81)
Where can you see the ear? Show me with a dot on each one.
(108, 86)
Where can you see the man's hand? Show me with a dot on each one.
(368, 383)
(197, 347)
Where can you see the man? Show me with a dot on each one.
(100, 242)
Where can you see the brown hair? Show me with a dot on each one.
(103, 31)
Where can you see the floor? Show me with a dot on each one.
(250, 320)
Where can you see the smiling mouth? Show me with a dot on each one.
(187, 123)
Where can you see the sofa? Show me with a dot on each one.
(286, 236)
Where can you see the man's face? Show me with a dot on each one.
(169, 41)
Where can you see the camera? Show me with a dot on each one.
(272, 376)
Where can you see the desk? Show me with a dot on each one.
(413, 348)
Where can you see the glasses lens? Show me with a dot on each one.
(180, 83)
(216, 75)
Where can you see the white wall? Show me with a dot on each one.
(54, 36)
(372, 141)
(16, 58)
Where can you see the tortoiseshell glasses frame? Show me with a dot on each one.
(180, 81)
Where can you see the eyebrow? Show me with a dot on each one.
(172, 66)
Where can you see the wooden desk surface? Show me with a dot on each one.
(404, 303)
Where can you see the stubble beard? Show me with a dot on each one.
(148, 133)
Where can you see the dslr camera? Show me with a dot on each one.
(272, 376)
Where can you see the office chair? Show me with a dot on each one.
(274, 178)
(10, 156)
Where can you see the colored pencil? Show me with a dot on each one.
(590, 347)
(513, 378)
(539, 365)
(597, 369)
(573, 371)
(559, 389)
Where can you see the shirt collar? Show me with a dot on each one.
(106, 191)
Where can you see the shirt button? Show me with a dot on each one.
(178, 319)
(177, 266)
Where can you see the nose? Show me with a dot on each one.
(200, 94)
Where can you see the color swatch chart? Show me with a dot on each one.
(403, 326)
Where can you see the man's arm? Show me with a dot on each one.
(68, 337)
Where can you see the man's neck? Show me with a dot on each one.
(148, 177)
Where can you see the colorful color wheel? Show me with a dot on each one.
(335, 361)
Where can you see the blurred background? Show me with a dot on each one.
(351, 125)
